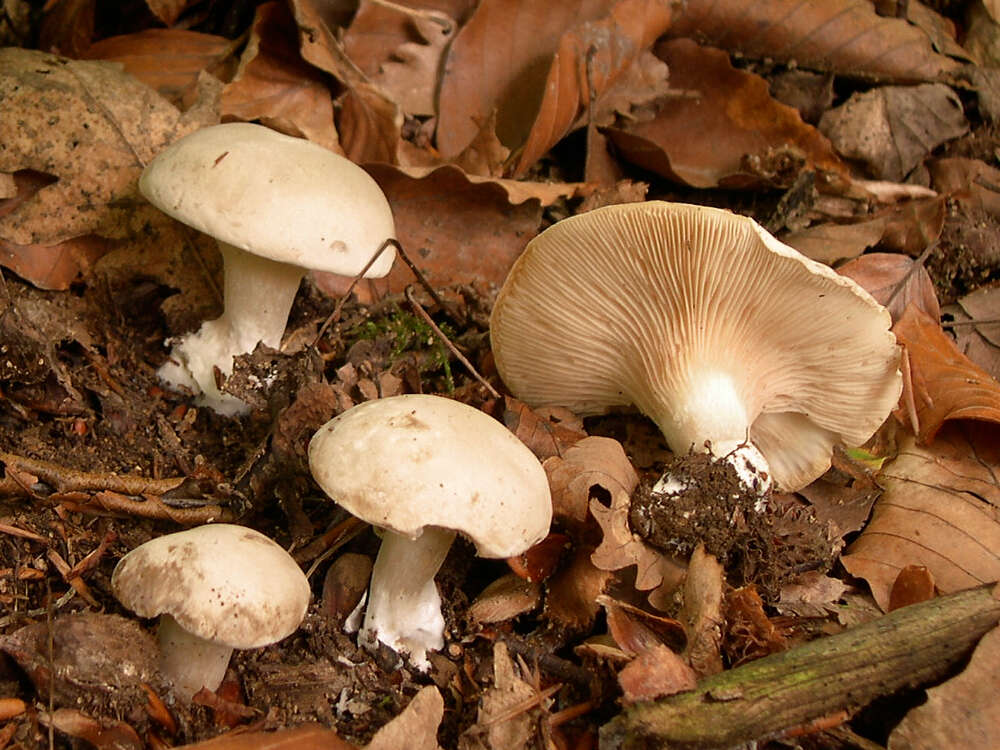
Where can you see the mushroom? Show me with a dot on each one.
(729, 340)
(215, 588)
(422, 468)
(278, 206)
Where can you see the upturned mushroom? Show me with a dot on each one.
(215, 588)
(422, 468)
(278, 206)
(729, 340)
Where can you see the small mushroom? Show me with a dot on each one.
(422, 468)
(278, 206)
(215, 588)
(726, 338)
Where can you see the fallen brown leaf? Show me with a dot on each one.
(400, 47)
(979, 341)
(456, 231)
(750, 634)
(961, 712)
(812, 595)
(544, 62)
(892, 129)
(589, 464)
(943, 384)
(940, 509)
(881, 273)
(275, 85)
(702, 613)
(726, 131)
(842, 36)
(546, 431)
(168, 11)
(416, 727)
(504, 599)
(168, 60)
(655, 672)
(970, 180)
(913, 584)
(108, 734)
(508, 710)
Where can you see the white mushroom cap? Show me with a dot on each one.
(408, 462)
(707, 324)
(223, 583)
(423, 468)
(283, 198)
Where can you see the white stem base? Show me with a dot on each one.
(404, 607)
(258, 296)
(188, 661)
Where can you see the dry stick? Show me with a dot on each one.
(973, 322)
(451, 347)
(335, 315)
(64, 479)
(911, 646)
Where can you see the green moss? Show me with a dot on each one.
(407, 332)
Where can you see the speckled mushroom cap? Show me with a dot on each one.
(651, 304)
(407, 462)
(225, 583)
(279, 197)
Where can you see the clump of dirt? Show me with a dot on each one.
(759, 539)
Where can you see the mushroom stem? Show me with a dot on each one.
(404, 607)
(258, 294)
(188, 661)
(710, 414)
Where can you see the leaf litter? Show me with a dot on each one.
(483, 127)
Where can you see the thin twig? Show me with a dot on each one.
(444, 339)
(335, 315)
(910, 271)
(418, 274)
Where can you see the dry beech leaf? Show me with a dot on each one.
(571, 599)
(507, 711)
(304, 737)
(980, 342)
(940, 509)
(168, 11)
(370, 124)
(881, 273)
(655, 672)
(843, 36)
(892, 129)
(416, 727)
(811, 595)
(970, 180)
(108, 734)
(943, 383)
(702, 612)
(726, 117)
(961, 712)
(168, 60)
(829, 243)
(544, 64)
(504, 599)
(400, 48)
(456, 231)
(913, 585)
(547, 431)
(67, 27)
(276, 86)
(518, 191)
(101, 126)
(593, 461)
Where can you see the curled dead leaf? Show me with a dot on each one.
(942, 384)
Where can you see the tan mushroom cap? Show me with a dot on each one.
(635, 304)
(279, 197)
(225, 583)
(408, 462)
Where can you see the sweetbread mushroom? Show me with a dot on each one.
(422, 468)
(215, 588)
(278, 206)
(726, 338)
